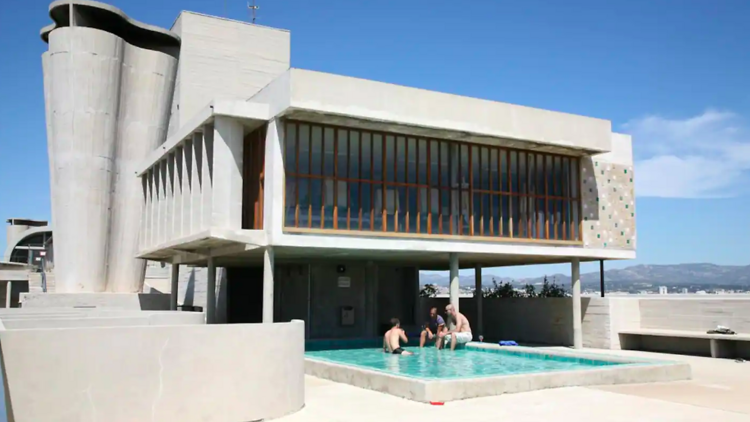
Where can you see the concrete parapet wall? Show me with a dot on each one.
(695, 314)
(159, 373)
(135, 319)
(125, 301)
(549, 320)
(535, 320)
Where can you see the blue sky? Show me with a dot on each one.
(672, 73)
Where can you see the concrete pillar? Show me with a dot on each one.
(453, 257)
(575, 275)
(478, 298)
(177, 208)
(601, 276)
(211, 292)
(417, 311)
(175, 289)
(227, 173)
(8, 293)
(196, 184)
(273, 192)
(268, 285)
(371, 298)
(207, 176)
(187, 178)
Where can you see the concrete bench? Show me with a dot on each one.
(688, 342)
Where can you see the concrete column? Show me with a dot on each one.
(575, 275)
(601, 276)
(187, 177)
(308, 320)
(418, 314)
(207, 176)
(268, 285)
(177, 208)
(211, 292)
(372, 299)
(227, 173)
(478, 298)
(8, 293)
(273, 185)
(196, 177)
(453, 257)
(175, 289)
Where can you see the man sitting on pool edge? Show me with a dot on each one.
(392, 338)
(434, 326)
(460, 333)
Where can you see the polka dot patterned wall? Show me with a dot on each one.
(608, 202)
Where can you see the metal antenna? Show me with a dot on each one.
(254, 8)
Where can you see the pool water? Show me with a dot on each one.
(430, 363)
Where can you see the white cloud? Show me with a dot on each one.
(699, 157)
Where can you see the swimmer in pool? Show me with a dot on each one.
(392, 338)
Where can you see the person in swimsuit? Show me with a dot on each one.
(393, 337)
(459, 334)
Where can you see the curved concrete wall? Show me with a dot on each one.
(227, 373)
(107, 105)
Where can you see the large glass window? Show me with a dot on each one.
(349, 179)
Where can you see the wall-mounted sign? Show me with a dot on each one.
(345, 282)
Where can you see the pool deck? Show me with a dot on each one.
(718, 391)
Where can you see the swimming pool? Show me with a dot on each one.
(430, 363)
(481, 369)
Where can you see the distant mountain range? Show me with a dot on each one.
(682, 275)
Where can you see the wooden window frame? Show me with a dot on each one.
(559, 190)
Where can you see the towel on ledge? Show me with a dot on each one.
(507, 343)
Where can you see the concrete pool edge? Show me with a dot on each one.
(425, 391)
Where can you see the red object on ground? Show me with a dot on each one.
(437, 403)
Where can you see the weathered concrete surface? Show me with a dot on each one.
(128, 301)
(454, 115)
(224, 58)
(134, 319)
(107, 103)
(155, 373)
(717, 392)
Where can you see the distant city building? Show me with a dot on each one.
(684, 291)
(663, 290)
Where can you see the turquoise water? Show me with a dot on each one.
(429, 363)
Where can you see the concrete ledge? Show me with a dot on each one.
(125, 301)
(191, 373)
(63, 321)
(687, 342)
(425, 390)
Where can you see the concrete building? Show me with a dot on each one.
(108, 87)
(335, 191)
(28, 253)
(321, 195)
